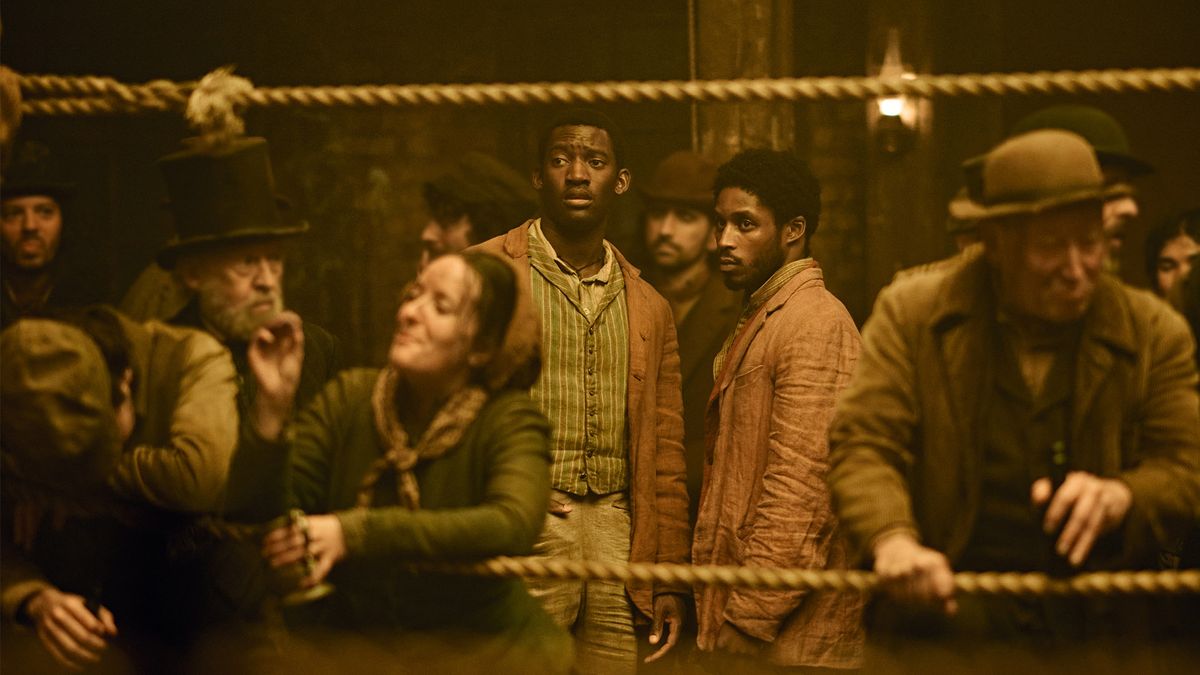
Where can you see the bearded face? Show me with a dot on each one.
(239, 287)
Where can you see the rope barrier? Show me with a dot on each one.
(988, 583)
(59, 95)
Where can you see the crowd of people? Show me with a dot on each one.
(194, 483)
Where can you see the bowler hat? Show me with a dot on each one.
(34, 171)
(222, 194)
(682, 178)
(1032, 173)
(1097, 127)
(59, 426)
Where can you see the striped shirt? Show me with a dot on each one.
(585, 368)
(757, 299)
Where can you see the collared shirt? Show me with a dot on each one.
(757, 299)
(585, 368)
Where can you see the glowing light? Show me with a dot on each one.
(891, 107)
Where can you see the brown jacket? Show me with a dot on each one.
(907, 441)
(765, 503)
(657, 492)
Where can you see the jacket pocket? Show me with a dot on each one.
(748, 376)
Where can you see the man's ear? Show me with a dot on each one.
(536, 179)
(710, 243)
(794, 230)
(624, 180)
(187, 274)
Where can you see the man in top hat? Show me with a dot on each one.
(229, 253)
(679, 236)
(478, 198)
(1117, 161)
(31, 238)
(1017, 409)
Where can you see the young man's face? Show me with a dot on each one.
(579, 180)
(239, 286)
(438, 238)
(750, 244)
(31, 231)
(678, 236)
(1174, 262)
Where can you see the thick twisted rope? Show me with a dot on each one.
(57, 95)
(988, 583)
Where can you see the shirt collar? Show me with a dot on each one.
(777, 281)
(603, 276)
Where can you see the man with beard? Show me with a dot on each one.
(229, 253)
(610, 386)
(1017, 409)
(680, 240)
(778, 376)
(31, 239)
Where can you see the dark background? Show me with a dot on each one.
(355, 175)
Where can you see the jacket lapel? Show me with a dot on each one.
(962, 323)
(1107, 332)
(705, 325)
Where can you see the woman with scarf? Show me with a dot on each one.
(439, 456)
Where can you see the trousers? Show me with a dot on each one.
(597, 613)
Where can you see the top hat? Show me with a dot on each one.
(1097, 127)
(59, 425)
(222, 194)
(683, 178)
(1032, 173)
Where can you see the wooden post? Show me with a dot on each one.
(741, 39)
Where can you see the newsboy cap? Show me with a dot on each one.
(1033, 173)
(58, 427)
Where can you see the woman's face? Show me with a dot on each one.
(437, 322)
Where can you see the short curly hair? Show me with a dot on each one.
(783, 182)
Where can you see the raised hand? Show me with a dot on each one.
(276, 356)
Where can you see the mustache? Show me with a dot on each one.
(664, 242)
(576, 193)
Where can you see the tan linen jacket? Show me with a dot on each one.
(657, 489)
(765, 502)
(907, 442)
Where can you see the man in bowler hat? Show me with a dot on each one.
(1016, 409)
